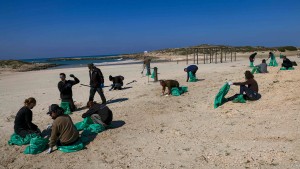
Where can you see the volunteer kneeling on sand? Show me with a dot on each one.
(63, 132)
(99, 113)
(169, 84)
(263, 67)
(286, 63)
(191, 68)
(251, 90)
(23, 121)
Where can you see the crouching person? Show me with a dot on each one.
(117, 82)
(63, 132)
(99, 113)
(169, 84)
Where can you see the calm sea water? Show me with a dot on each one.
(84, 60)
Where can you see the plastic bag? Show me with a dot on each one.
(273, 63)
(153, 75)
(77, 146)
(15, 139)
(36, 146)
(83, 124)
(177, 91)
(239, 99)
(66, 107)
(290, 68)
(220, 97)
(95, 128)
(192, 77)
(251, 64)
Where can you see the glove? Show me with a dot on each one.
(49, 126)
(49, 151)
(230, 83)
(166, 95)
(71, 75)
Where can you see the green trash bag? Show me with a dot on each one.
(290, 68)
(255, 70)
(239, 99)
(220, 97)
(192, 77)
(66, 107)
(177, 91)
(36, 146)
(153, 75)
(15, 139)
(95, 128)
(77, 146)
(273, 63)
(84, 124)
(251, 64)
(184, 89)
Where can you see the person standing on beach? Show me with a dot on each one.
(65, 88)
(23, 121)
(146, 63)
(96, 83)
(191, 68)
(252, 58)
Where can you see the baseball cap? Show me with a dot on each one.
(53, 107)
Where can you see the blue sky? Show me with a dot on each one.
(39, 29)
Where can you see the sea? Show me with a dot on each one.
(79, 61)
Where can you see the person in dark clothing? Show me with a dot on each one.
(99, 113)
(117, 82)
(96, 83)
(169, 84)
(251, 90)
(23, 121)
(191, 68)
(65, 88)
(252, 57)
(286, 63)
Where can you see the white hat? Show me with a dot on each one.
(145, 51)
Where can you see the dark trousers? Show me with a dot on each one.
(287, 66)
(251, 95)
(148, 69)
(71, 102)
(100, 92)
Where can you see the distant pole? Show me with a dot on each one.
(187, 56)
(231, 54)
(221, 59)
(216, 57)
(155, 73)
(225, 54)
(203, 55)
(234, 55)
(210, 55)
(197, 56)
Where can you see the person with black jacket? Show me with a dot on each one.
(96, 83)
(117, 82)
(23, 121)
(286, 63)
(65, 88)
(99, 113)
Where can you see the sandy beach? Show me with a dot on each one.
(166, 132)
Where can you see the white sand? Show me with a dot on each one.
(166, 132)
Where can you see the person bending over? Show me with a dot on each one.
(23, 120)
(169, 84)
(99, 113)
(117, 82)
(286, 63)
(191, 68)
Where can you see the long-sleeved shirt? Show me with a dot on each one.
(287, 63)
(63, 129)
(191, 68)
(96, 78)
(118, 79)
(102, 110)
(252, 56)
(251, 84)
(23, 120)
(263, 67)
(65, 88)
